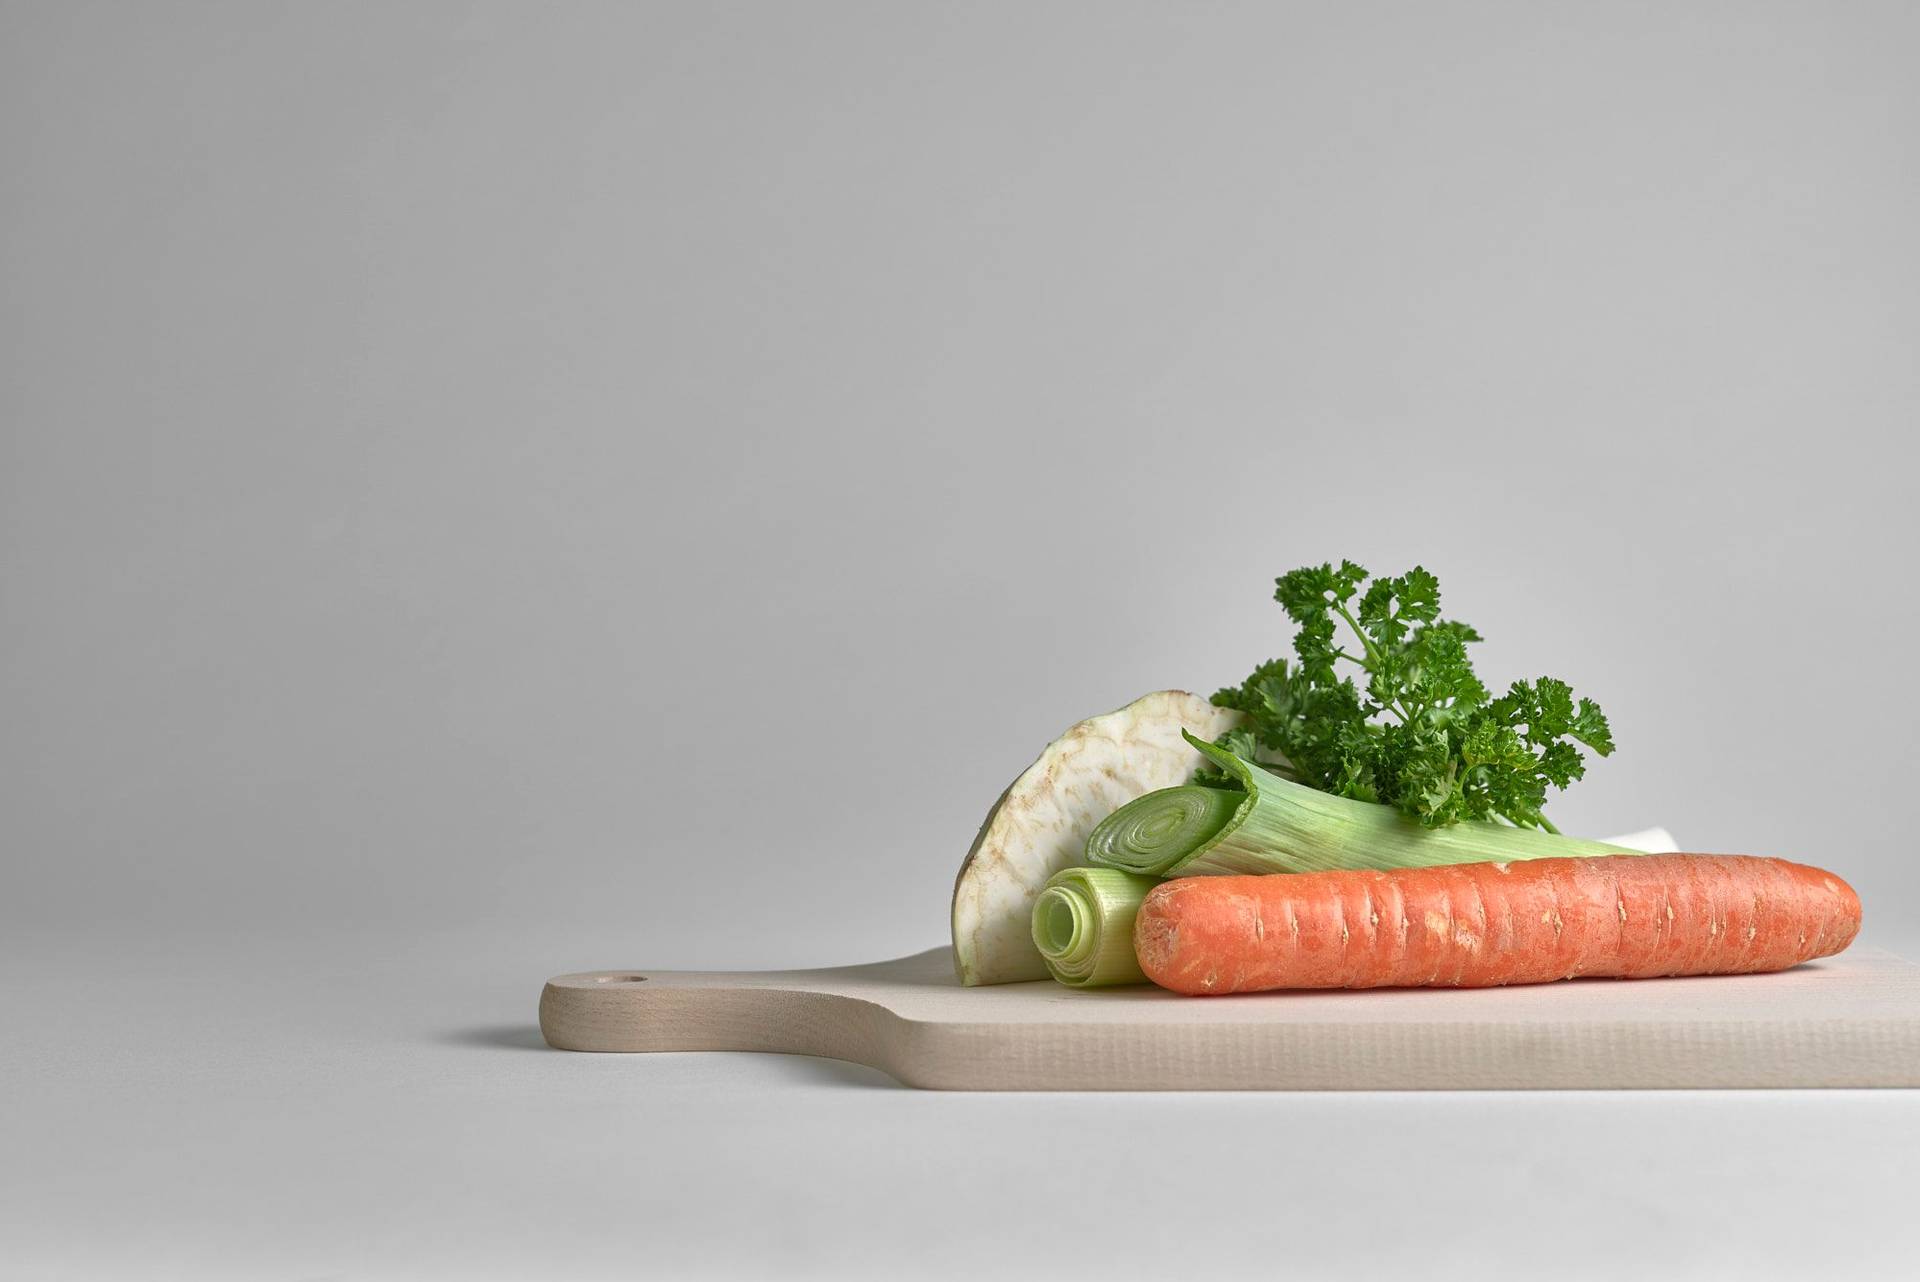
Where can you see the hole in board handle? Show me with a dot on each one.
(619, 979)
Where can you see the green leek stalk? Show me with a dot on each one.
(1083, 926)
(1278, 826)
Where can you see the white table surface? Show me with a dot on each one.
(375, 1104)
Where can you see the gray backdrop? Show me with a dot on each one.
(670, 465)
(629, 483)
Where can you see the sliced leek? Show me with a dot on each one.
(1083, 926)
(1278, 826)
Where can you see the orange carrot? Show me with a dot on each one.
(1478, 925)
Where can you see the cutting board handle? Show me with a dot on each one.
(654, 1010)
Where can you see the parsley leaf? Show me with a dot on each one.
(1406, 722)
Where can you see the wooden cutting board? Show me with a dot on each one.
(1852, 1020)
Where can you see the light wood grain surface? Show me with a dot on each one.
(1853, 1020)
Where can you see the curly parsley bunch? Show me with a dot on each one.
(1406, 723)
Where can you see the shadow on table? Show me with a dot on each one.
(517, 1037)
(815, 1071)
(808, 1069)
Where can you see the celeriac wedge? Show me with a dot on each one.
(1040, 824)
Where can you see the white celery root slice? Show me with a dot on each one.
(1041, 822)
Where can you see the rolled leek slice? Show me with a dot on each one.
(1083, 926)
(1278, 826)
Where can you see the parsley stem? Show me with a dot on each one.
(1373, 654)
(1373, 661)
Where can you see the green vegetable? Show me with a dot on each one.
(1083, 926)
(1272, 825)
(1419, 732)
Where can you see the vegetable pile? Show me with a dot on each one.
(1367, 815)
